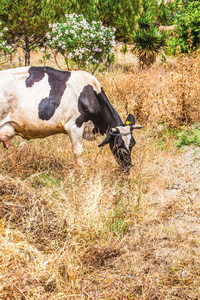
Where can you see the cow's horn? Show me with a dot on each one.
(136, 127)
(114, 130)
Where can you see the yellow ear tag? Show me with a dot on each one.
(127, 122)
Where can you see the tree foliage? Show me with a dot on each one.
(120, 14)
(159, 11)
(187, 21)
(27, 21)
(4, 44)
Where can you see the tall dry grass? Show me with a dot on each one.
(168, 92)
(91, 232)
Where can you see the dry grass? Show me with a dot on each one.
(167, 92)
(90, 232)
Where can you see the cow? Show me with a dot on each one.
(36, 102)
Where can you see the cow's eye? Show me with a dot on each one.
(86, 110)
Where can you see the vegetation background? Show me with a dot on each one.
(90, 232)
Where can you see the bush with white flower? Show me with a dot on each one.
(4, 45)
(80, 42)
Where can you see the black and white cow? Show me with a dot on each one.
(36, 102)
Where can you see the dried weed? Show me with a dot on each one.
(91, 232)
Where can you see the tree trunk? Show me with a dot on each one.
(147, 60)
(27, 55)
(27, 58)
(108, 62)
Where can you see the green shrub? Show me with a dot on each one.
(187, 138)
(80, 42)
(148, 43)
(187, 21)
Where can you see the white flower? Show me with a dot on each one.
(5, 28)
(96, 48)
(66, 31)
(48, 35)
(82, 50)
(112, 50)
(113, 43)
(70, 55)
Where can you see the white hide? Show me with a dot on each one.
(19, 107)
(127, 137)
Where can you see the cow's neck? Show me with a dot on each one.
(108, 116)
(97, 108)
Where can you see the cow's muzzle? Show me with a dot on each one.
(123, 158)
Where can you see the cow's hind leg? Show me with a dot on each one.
(7, 132)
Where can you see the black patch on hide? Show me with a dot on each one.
(35, 75)
(57, 81)
(97, 108)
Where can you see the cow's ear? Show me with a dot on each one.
(105, 141)
(130, 120)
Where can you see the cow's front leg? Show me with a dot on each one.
(76, 137)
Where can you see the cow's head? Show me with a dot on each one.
(121, 142)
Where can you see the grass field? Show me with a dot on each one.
(88, 231)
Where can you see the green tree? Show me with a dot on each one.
(120, 14)
(187, 21)
(159, 11)
(27, 21)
